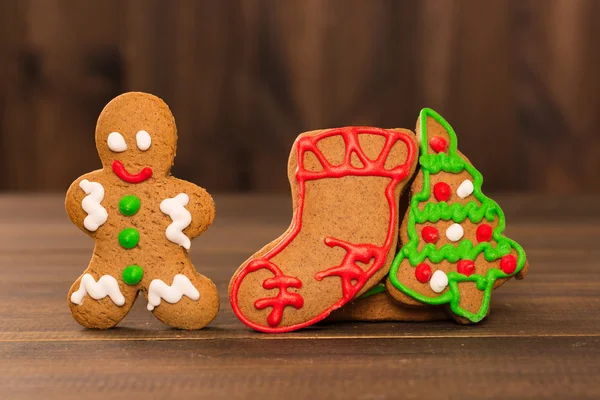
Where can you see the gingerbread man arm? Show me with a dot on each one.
(83, 203)
(201, 206)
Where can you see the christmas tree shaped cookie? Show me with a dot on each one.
(453, 249)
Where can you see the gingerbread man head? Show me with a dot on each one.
(136, 137)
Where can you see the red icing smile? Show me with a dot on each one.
(122, 173)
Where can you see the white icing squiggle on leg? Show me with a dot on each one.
(106, 286)
(175, 209)
(171, 294)
(97, 215)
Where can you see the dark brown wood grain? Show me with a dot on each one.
(308, 369)
(517, 79)
(542, 339)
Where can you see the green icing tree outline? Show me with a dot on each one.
(433, 212)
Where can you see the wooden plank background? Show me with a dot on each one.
(244, 77)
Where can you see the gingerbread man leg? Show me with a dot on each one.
(100, 300)
(186, 300)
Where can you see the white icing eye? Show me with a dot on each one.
(144, 141)
(116, 142)
(465, 189)
(455, 232)
(439, 281)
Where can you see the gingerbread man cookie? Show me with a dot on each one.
(345, 185)
(142, 221)
(453, 249)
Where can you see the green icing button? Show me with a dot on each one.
(129, 205)
(129, 238)
(132, 275)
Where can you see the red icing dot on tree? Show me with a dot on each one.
(483, 233)
(442, 191)
(508, 264)
(423, 272)
(438, 144)
(430, 234)
(466, 267)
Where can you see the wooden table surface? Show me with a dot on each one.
(542, 339)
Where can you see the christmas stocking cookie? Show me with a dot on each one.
(345, 187)
(142, 221)
(453, 249)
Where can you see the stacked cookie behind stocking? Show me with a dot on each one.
(341, 255)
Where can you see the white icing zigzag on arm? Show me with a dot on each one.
(106, 286)
(97, 214)
(175, 209)
(171, 294)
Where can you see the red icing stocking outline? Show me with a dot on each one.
(353, 276)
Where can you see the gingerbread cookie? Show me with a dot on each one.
(453, 249)
(377, 305)
(142, 221)
(345, 187)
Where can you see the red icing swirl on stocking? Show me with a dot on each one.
(283, 298)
